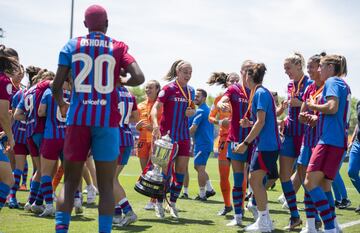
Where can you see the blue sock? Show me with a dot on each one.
(4, 192)
(62, 221)
(237, 192)
(125, 205)
(322, 205)
(331, 201)
(34, 188)
(105, 223)
(17, 175)
(290, 196)
(46, 189)
(176, 187)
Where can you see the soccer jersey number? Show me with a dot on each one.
(29, 104)
(97, 66)
(125, 115)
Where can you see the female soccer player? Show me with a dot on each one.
(96, 61)
(176, 99)
(129, 113)
(334, 109)
(293, 132)
(222, 118)
(237, 96)
(8, 66)
(265, 134)
(314, 91)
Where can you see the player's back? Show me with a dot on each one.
(95, 61)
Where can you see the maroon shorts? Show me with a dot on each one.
(21, 149)
(34, 150)
(184, 148)
(52, 148)
(326, 158)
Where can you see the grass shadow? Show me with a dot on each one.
(131, 228)
(180, 221)
(82, 218)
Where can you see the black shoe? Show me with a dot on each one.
(223, 212)
(210, 193)
(357, 210)
(337, 204)
(184, 196)
(345, 203)
(198, 198)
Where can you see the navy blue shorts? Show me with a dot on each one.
(264, 160)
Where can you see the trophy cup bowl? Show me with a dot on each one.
(152, 183)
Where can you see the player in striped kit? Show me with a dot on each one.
(237, 96)
(27, 111)
(96, 62)
(333, 127)
(9, 66)
(222, 118)
(311, 137)
(129, 113)
(52, 145)
(176, 99)
(293, 132)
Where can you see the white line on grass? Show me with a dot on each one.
(349, 224)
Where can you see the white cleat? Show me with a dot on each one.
(78, 206)
(159, 210)
(91, 194)
(48, 211)
(261, 225)
(285, 205)
(117, 220)
(27, 207)
(37, 209)
(173, 211)
(129, 217)
(150, 206)
(281, 199)
(253, 209)
(237, 221)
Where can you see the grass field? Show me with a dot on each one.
(195, 216)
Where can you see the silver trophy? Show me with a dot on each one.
(151, 182)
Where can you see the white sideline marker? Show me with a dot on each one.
(349, 224)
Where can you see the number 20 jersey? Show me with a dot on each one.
(95, 61)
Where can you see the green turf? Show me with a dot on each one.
(195, 216)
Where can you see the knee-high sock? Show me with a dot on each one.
(176, 186)
(290, 196)
(4, 192)
(237, 192)
(322, 205)
(25, 173)
(46, 189)
(62, 222)
(224, 171)
(17, 175)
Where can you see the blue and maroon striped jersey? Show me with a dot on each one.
(334, 127)
(18, 127)
(95, 61)
(29, 103)
(173, 117)
(55, 124)
(239, 98)
(127, 104)
(311, 136)
(293, 127)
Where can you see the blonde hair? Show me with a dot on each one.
(339, 63)
(175, 67)
(297, 59)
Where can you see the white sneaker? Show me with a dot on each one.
(173, 211)
(331, 231)
(285, 205)
(27, 207)
(159, 210)
(37, 209)
(150, 206)
(253, 209)
(337, 226)
(129, 217)
(281, 199)
(91, 194)
(117, 219)
(237, 221)
(48, 211)
(78, 206)
(263, 224)
(309, 227)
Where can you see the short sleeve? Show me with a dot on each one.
(199, 115)
(261, 101)
(6, 88)
(121, 49)
(65, 56)
(229, 91)
(46, 96)
(331, 89)
(21, 104)
(164, 94)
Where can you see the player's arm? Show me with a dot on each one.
(19, 115)
(60, 78)
(134, 117)
(330, 107)
(136, 75)
(223, 103)
(193, 129)
(42, 110)
(155, 111)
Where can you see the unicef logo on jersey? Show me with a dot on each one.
(101, 102)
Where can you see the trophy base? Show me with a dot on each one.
(150, 188)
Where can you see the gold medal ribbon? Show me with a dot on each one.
(188, 98)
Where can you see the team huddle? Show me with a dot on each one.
(77, 123)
